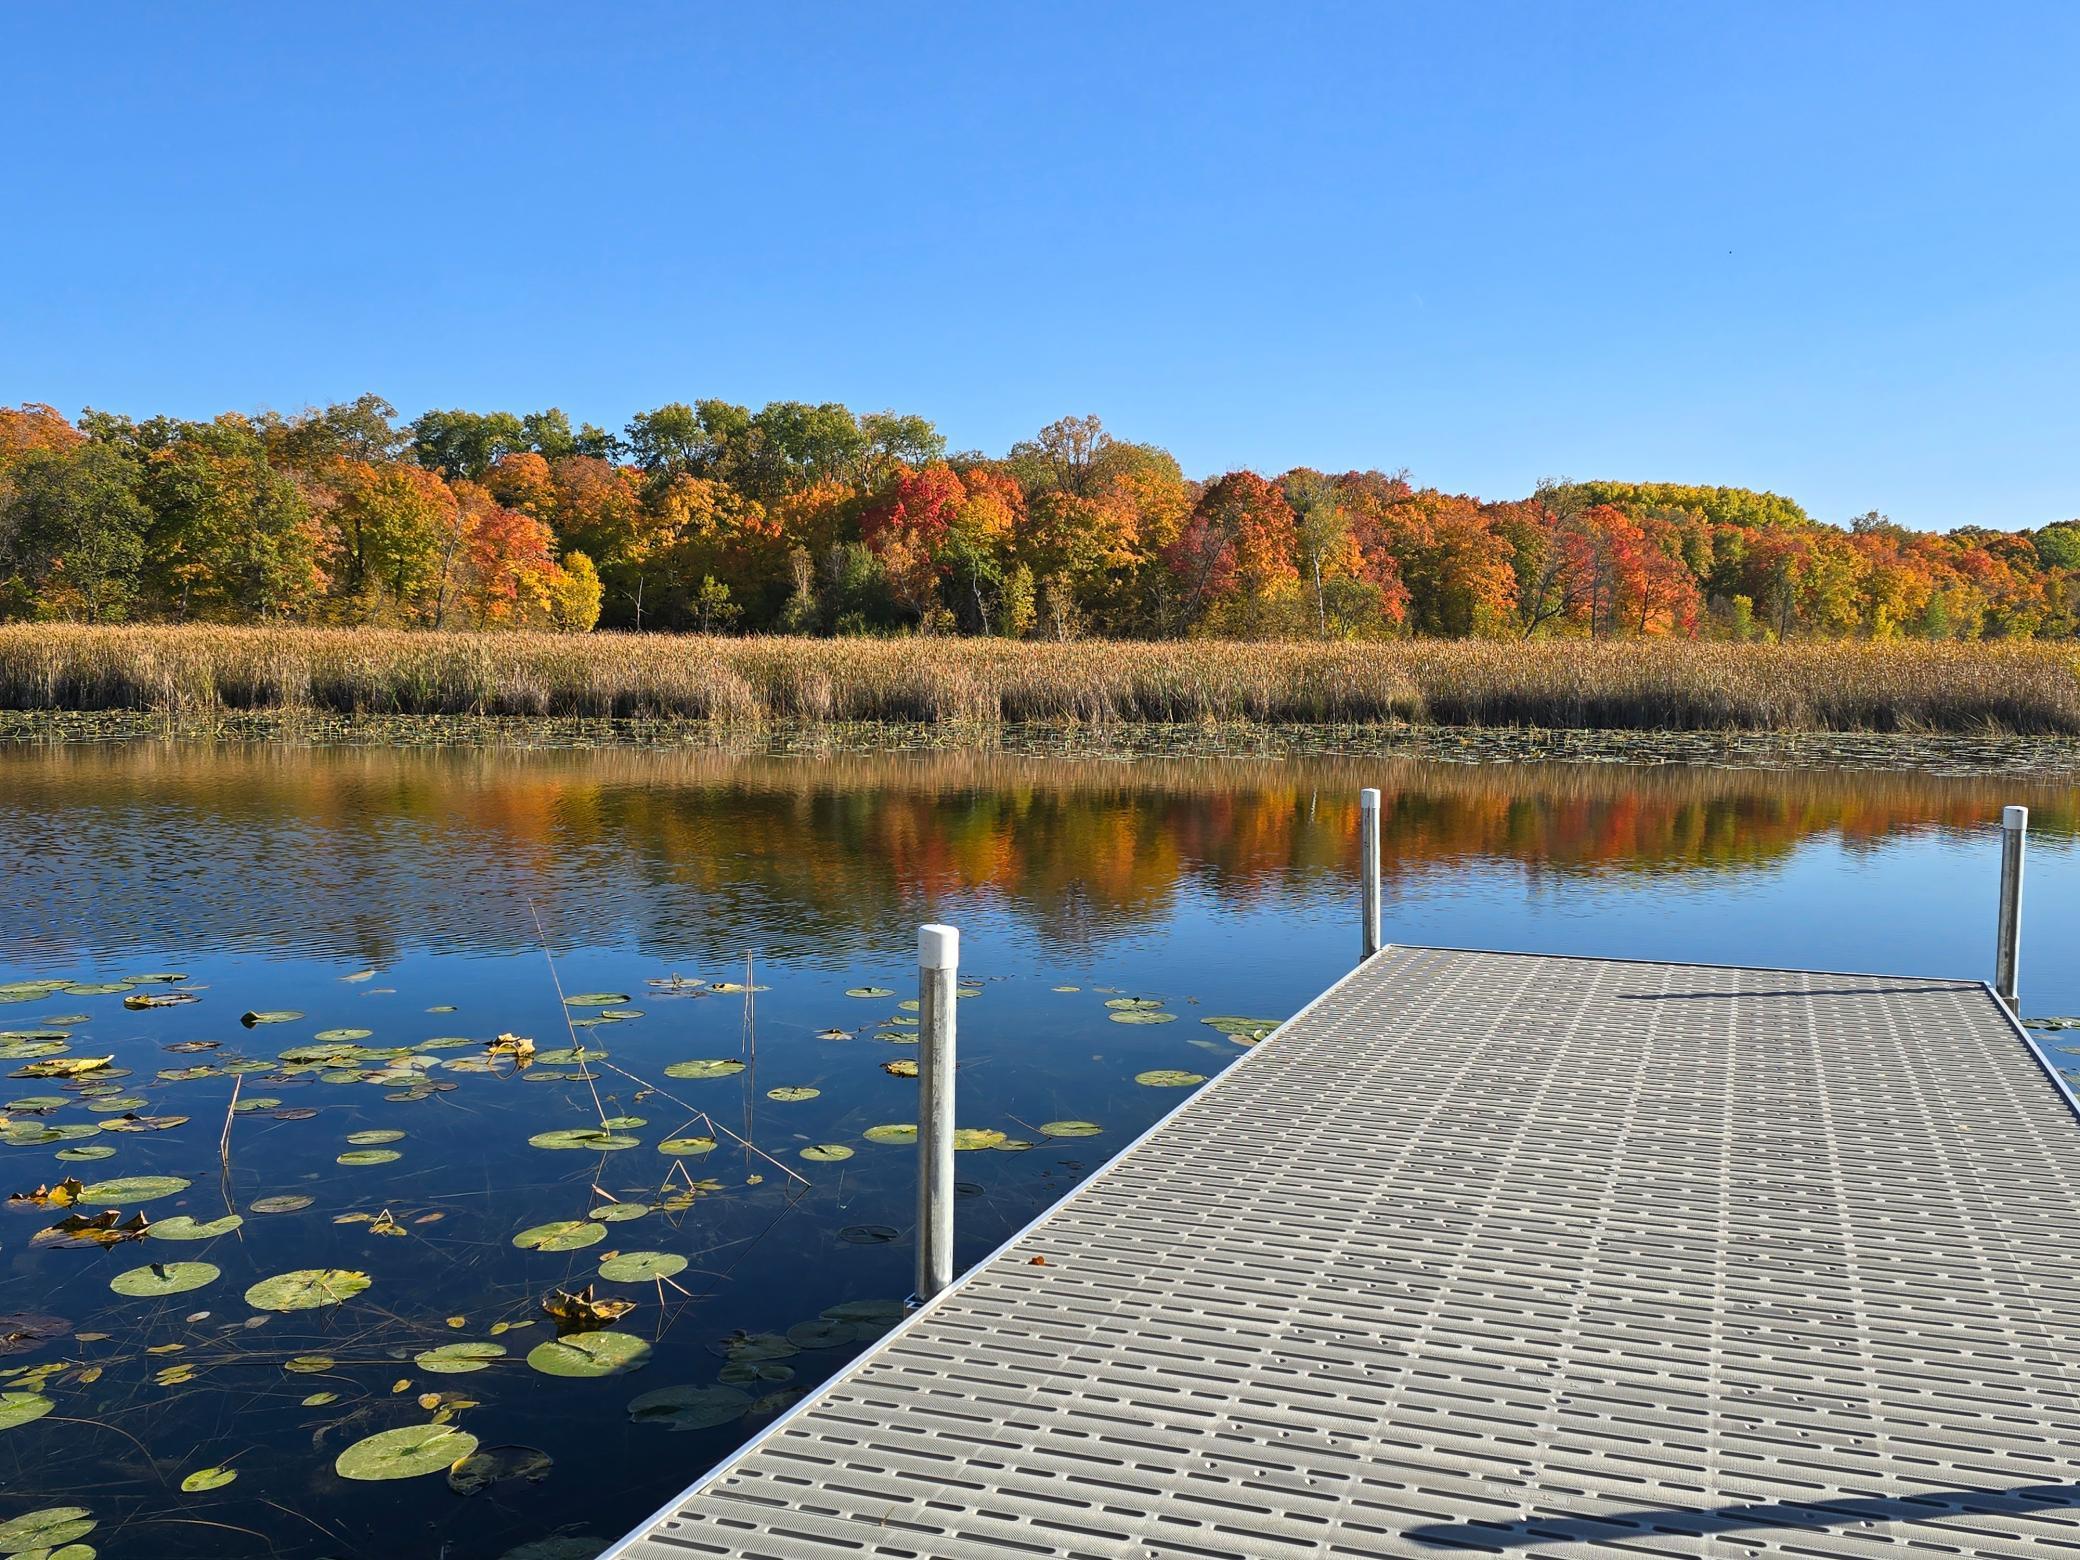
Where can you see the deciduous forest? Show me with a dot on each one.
(811, 520)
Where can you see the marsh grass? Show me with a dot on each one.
(197, 673)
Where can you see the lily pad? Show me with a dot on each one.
(272, 1016)
(368, 1156)
(371, 1138)
(749, 1348)
(19, 1408)
(86, 1151)
(902, 1067)
(640, 1267)
(870, 991)
(288, 1202)
(45, 1529)
(157, 1279)
(134, 1189)
(705, 1068)
(976, 1137)
(1244, 1031)
(1070, 1129)
(593, 1138)
(207, 1479)
(869, 1234)
(590, 1354)
(563, 1235)
(1169, 1078)
(596, 999)
(181, 1227)
(342, 1034)
(689, 1408)
(1134, 1004)
(892, 1132)
(790, 1093)
(618, 1213)
(306, 1289)
(686, 1146)
(405, 1452)
(826, 1153)
(491, 1465)
(459, 1359)
(1142, 1016)
(823, 1333)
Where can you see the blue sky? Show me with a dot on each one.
(1829, 249)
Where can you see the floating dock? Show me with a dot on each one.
(1489, 1253)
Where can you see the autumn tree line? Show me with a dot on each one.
(809, 519)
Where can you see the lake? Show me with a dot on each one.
(709, 955)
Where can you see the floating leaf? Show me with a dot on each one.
(904, 1067)
(309, 1364)
(689, 1408)
(368, 1156)
(1168, 1078)
(1131, 1004)
(134, 1189)
(750, 1348)
(139, 1000)
(491, 1465)
(359, 975)
(734, 988)
(1142, 1016)
(639, 1267)
(207, 1479)
(745, 1370)
(589, 1354)
(870, 991)
(96, 988)
(705, 1068)
(1243, 1031)
(63, 1067)
(592, 1138)
(976, 1137)
(563, 1235)
(306, 1289)
(686, 1146)
(790, 1093)
(157, 1279)
(18, 1408)
(892, 1132)
(596, 999)
(618, 1213)
(1070, 1129)
(374, 1136)
(877, 1314)
(405, 1453)
(45, 1529)
(826, 1153)
(274, 1016)
(575, 1312)
(459, 1359)
(288, 1202)
(342, 1034)
(869, 1234)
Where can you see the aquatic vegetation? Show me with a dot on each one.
(405, 1453)
(1169, 1078)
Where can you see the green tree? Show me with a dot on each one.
(72, 534)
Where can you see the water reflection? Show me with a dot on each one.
(701, 854)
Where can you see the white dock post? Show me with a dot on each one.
(1368, 850)
(2007, 951)
(938, 961)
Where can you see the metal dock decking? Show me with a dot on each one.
(1506, 1254)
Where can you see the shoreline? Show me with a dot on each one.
(1939, 753)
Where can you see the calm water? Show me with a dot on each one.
(398, 894)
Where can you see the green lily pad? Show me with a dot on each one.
(181, 1227)
(374, 1136)
(272, 1016)
(459, 1359)
(686, 1146)
(306, 1289)
(572, 1056)
(976, 1137)
(207, 1479)
(593, 1138)
(134, 1189)
(1142, 1016)
(823, 1333)
(18, 1408)
(738, 1372)
(287, 1202)
(309, 1364)
(45, 1529)
(596, 999)
(1246, 1030)
(750, 1348)
(706, 1068)
(689, 1408)
(1070, 1129)
(342, 1034)
(618, 1213)
(790, 1093)
(875, 1314)
(1134, 1004)
(97, 988)
(1168, 1078)
(590, 1354)
(870, 991)
(157, 1279)
(368, 1156)
(640, 1267)
(892, 1132)
(86, 1151)
(405, 1453)
(111, 1105)
(826, 1153)
(563, 1235)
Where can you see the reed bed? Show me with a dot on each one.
(198, 672)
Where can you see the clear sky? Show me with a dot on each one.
(1829, 249)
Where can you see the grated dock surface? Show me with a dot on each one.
(1491, 1253)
